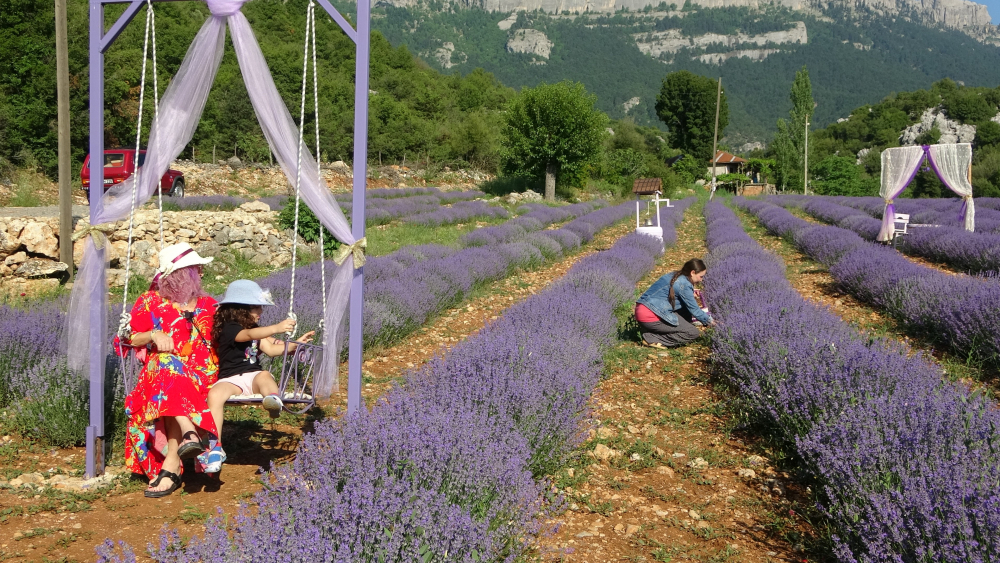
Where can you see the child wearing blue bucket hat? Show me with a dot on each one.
(238, 340)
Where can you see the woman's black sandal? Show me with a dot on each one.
(191, 449)
(175, 478)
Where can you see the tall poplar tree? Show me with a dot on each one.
(789, 142)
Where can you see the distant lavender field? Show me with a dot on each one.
(950, 243)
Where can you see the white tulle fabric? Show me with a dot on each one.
(899, 166)
(180, 112)
(952, 164)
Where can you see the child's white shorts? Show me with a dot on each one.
(244, 381)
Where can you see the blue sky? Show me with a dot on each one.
(994, 7)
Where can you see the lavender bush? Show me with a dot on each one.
(460, 212)
(441, 468)
(960, 312)
(907, 463)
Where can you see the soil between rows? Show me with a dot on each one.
(63, 529)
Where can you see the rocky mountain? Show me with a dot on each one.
(857, 51)
(963, 15)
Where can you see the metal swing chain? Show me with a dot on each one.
(298, 170)
(322, 248)
(126, 317)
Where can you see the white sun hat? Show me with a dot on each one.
(177, 256)
(246, 292)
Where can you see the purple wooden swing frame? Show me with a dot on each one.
(100, 41)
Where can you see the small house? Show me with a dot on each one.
(726, 163)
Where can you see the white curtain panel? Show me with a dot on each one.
(180, 112)
(952, 164)
(899, 165)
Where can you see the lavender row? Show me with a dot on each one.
(907, 463)
(971, 252)
(444, 467)
(460, 212)
(960, 312)
(406, 288)
(536, 219)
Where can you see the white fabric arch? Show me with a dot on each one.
(952, 163)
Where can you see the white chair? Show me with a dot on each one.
(900, 219)
(899, 223)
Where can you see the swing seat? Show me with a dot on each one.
(296, 370)
(257, 397)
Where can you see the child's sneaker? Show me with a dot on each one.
(214, 460)
(273, 404)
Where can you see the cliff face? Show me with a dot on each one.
(962, 15)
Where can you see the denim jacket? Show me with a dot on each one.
(657, 300)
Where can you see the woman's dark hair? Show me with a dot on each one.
(693, 265)
(231, 313)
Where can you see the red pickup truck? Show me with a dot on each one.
(119, 164)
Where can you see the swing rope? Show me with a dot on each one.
(156, 112)
(322, 248)
(126, 317)
(298, 167)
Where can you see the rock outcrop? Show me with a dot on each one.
(447, 57)
(670, 41)
(529, 41)
(752, 54)
(951, 131)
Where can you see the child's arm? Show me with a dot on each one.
(262, 332)
(273, 347)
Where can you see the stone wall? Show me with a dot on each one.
(29, 247)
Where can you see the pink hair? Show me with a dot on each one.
(182, 285)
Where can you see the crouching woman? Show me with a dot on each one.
(668, 311)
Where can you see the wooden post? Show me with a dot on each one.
(715, 136)
(62, 113)
(805, 161)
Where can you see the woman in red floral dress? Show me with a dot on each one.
(168, 417)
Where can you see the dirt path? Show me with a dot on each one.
(667, 475)
(58, 524)
(813, 281)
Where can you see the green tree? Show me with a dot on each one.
(839, 175)
(552, 130)
(785, 161)
(799, 116)
(686, 104)
(987, 134)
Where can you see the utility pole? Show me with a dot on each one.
(805, 160)
(715, 136)
(62, 117)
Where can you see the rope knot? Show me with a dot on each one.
(357, 250)
(97, 232)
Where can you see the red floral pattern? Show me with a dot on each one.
(174, 384)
